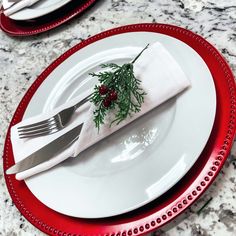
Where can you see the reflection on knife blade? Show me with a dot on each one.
(47, 152)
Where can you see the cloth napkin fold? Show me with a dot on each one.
(161, 78)
(17, 5)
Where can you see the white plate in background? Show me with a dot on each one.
(41, 8)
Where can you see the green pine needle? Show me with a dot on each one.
(130, 95)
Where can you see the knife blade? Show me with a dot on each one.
(47, 152)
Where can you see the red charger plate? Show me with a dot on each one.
(177, 199)
(44, 23)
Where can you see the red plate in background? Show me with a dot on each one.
(44, 23)
(177, 199)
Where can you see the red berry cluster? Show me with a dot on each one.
(111, 95)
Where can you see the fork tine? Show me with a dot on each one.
(39, 127)
(37, 134)
(54, 126)
(44, 122)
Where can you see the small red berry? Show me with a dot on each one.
(113, 95)
(106, 102)
(103, 89)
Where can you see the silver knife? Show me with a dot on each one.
(47, 152)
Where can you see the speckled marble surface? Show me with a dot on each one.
(23, 59)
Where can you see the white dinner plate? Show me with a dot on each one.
(41, 8)
(141, 161)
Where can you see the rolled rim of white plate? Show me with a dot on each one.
(137, 164)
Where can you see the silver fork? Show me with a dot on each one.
(50, 125)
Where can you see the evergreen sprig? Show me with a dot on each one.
(119, 90)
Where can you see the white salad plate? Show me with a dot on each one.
(140, 162)
(41, 8)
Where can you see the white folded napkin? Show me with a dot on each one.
(15, 6)
(8, 3)
(161, 78)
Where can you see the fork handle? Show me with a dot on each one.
(83, 101)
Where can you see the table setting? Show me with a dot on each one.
(26, 17)
(123, 132)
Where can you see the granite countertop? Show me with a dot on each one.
(23, 59)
